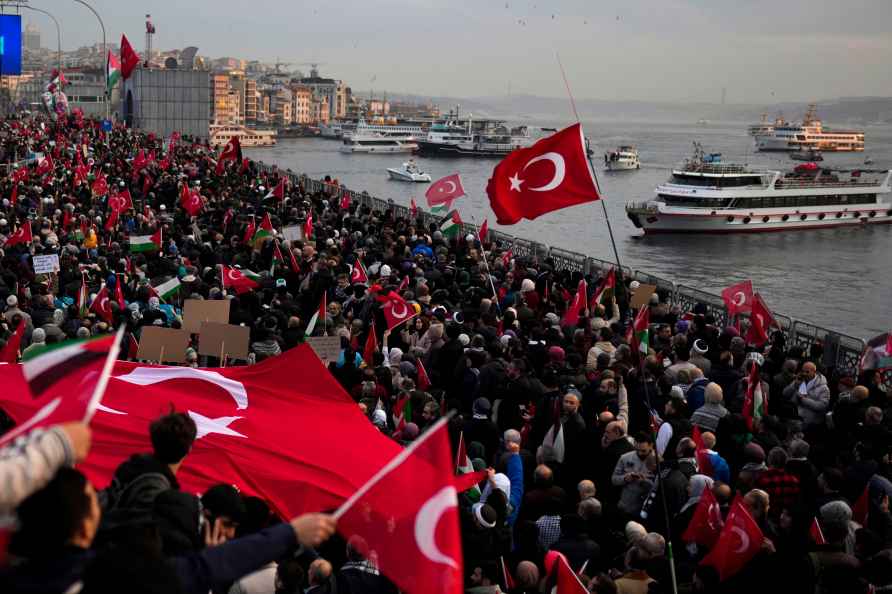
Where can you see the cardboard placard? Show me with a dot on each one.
(641, 295)
(196, 311)
(293, 232)
(46, 264)
(229, 340)
(327, 348)
(165, 345)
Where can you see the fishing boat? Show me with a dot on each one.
(708, 196)
(623, 158)
(409, 172)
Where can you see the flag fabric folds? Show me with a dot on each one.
(552, 174)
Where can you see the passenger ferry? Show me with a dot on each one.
(764, 126)
(220, 134)
(810, 134)
(402, 131)
(707, 196)
(481, 138)
(378, 144)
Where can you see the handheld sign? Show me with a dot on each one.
(46, 264)
(223, 340)
(197, 311)
(165, 345)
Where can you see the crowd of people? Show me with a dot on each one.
(643, 436)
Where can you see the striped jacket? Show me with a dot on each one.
(29, 463)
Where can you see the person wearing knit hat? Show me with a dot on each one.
(556, 355)
(527, 285)
(38, 341)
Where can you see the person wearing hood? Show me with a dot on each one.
(480, 428)
(38, 342)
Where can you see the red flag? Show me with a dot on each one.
(63, 384)
(413, 209)
(483, 231)
(552, 174)
(147, 184)
(243, 414)
(815, 532)
(120, 201)
(445, 190)
(739, 298)
(862, 507)
(100, 185)
(10, 352)
(112, 220)
(139, 162)
(66, 219)
(345, 201)
(100, 305)
(119, 293)
(609, 282)
(408, 515)
(129, 58)
(244, 166)
(295, 267)
(156, 238)
(132, 346)
(233, 277)
(506, 257)
(739, 541)
(761, 321)
(308, 226)
(403, 284)
(702, 453)
(279, 191)
(231, 152)
(396, 310)
(190, 201)
(45, 165)
(571, 316)
(371, 345)
(358, 273)
(20, 235)
(506, 575)
(249, 232)
(424, 382)
(706, 523)
(568, 581)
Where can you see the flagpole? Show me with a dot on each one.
(390, 466)
(592, 166)
(486, 263)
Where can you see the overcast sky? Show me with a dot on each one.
(677, 50)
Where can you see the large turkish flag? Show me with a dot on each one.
(552, 174)
(295, 439)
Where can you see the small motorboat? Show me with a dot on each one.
(868, 161)
(409, 172)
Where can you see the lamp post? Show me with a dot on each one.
(58, 30)
(104, 54)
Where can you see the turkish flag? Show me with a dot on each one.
(233, 277)
(139, 162)
(190, 201)
(396, 310)
(358, 273)
(445, 190)
(568, 581)
(292, 442)
(45, 165)
(407, 519)
(552, 174)
(112, 220)
(371, 345)
(308, 226)
(20, 235)
(100, 305)
(100, 186)
(861, 509)
(249, 232)
(706, 523)
(483, 231)
(739, 541)
(121, 201)
(739, 298)
(424, 382)
(413, 209)
(129, 58)
(231, 152)
(761, 322)
(571, 316)
(119, 292)
(815, 532)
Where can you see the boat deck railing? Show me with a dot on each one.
(841, 352)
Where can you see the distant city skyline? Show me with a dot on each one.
(671, 50)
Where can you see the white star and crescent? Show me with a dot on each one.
(208, 426)
(560, 172)
(426, 525)
(739, 298)
(744, 539)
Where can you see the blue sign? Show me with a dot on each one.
(10, 44)
(106, 125)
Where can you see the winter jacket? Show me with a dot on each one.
(815, 402)
(30, 462)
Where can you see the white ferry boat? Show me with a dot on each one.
(378, 144)
(220, 134)
(401, 131)
(623, 158)
(810, 134)
(764, 126)
(705, 196)
(331, 130)
(474, 138)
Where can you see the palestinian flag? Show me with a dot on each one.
(67, 361)
(166, 289)
(450, 225)
(277, 192)
(440, 210)
(640, 341)
(112, 71)
(463, 466)
(320, 314)
(278, 258)
(146, 243)
(609, 283)
(755, 404)
(402, 412)
(83, 297)
(263, 231)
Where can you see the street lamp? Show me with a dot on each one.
(104, 54)
(58, 30)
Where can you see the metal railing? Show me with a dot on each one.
(841, 351)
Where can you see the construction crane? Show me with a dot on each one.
(279, 63)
